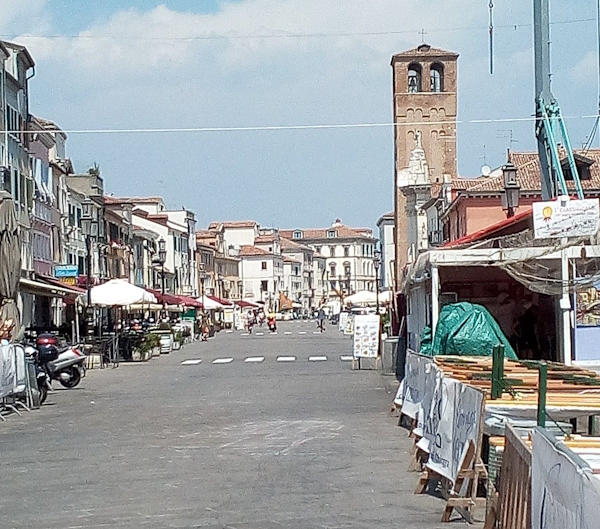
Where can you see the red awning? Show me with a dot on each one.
(190, 302)
(56, 282)
(244, 304)
(220, 300)
(165, 299)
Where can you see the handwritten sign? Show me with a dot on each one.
(563, 494)
(468, 408)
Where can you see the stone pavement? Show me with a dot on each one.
(248, 442)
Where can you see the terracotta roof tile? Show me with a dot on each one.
(321, 233)
(233, 224)
(108, 199)
(528, 174)
(290, 260)
(250, 251)
(265, 239)
(290, 245)
(424, 50)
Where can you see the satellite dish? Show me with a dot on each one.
(486, 170)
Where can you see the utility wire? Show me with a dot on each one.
(590, 140)
(215, 36)
(484, 121)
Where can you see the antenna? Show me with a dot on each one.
(491, 6)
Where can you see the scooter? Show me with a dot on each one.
(64, 364)
(272, 325)
(42, 378)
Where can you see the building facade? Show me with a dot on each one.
(387, 233)
(349, 254)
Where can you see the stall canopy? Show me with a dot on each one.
(245, 303)
(189, 302)
(224, 302)
(120, 293)
(209, 304)
(166, 298)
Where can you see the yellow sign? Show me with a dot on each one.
(68, 280)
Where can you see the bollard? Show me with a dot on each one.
(542, 388)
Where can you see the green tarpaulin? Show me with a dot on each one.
(465, 329)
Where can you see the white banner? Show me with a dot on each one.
(440, 428)
(467, 419)
(366, 336)
(8, 370)
(563, 493)
(413, 385)
(566, 218)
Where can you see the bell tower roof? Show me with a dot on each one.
(425, 51)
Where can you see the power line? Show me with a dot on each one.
(215, 36)
(322, 126)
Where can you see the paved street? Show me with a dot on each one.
(279, 432)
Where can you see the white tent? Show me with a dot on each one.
(210, 304)
(120, 293)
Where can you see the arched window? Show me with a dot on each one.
(436, 76)
(332, 270)
(415, 78)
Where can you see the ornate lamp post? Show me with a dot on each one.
(202, 276)
(162, 258)
(376, 263)
(512, 189)
(89, 227)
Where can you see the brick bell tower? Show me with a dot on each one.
(425, 102)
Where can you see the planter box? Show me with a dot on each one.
(156, 351)
(136, 355)
(176, 346)
(146, 356)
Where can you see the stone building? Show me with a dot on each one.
(425, 111)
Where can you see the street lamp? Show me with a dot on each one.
(202, 276)
(162, 259)
(376, 263)
(512, 189)
(89, 228)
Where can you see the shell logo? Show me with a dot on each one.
(547, 213)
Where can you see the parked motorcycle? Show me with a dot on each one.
(64, 364)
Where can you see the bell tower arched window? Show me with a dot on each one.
(436, 76)
(415, 83)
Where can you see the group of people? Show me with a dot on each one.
(259, 317)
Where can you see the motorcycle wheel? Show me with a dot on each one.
(74, 377)
(43, 394)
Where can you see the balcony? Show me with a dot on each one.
(436, 238)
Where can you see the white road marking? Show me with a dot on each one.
(346, 358)
(191, 362)
(245, 334)
(317, 358)
(260, 334)
(275, 332)
(287, 332)
(316, 332)
(286, 358)
(228, 332)
(222, 361)
(254, 359)
(302, 332)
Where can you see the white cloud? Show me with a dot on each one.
(20, 16)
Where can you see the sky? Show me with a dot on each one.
(127, 64)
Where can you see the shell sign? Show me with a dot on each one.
(566, 217)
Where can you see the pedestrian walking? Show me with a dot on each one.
(321, 319)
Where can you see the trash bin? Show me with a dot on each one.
(388, 356)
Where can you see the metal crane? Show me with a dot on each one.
(549, 122)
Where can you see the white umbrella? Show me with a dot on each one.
(362, 297)
(210, 304)
(120, 293)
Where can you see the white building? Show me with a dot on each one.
(387, 235)
(349, 254)
(262, 275)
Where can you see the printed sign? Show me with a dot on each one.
(68, 280)
(343, 321)
(228, 316)
(566, 218)
(366, 336)
(349, 330)
(66, 271)
(563, 494)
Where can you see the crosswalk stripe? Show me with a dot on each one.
(254, 359)
(317, 358)
(302, 332)
(316, 332)
(245, 334)
(228, 332)
(287, 332)
(191, 362)
(260, 334)
(346, 358)
(222, 361)
(286, 358)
